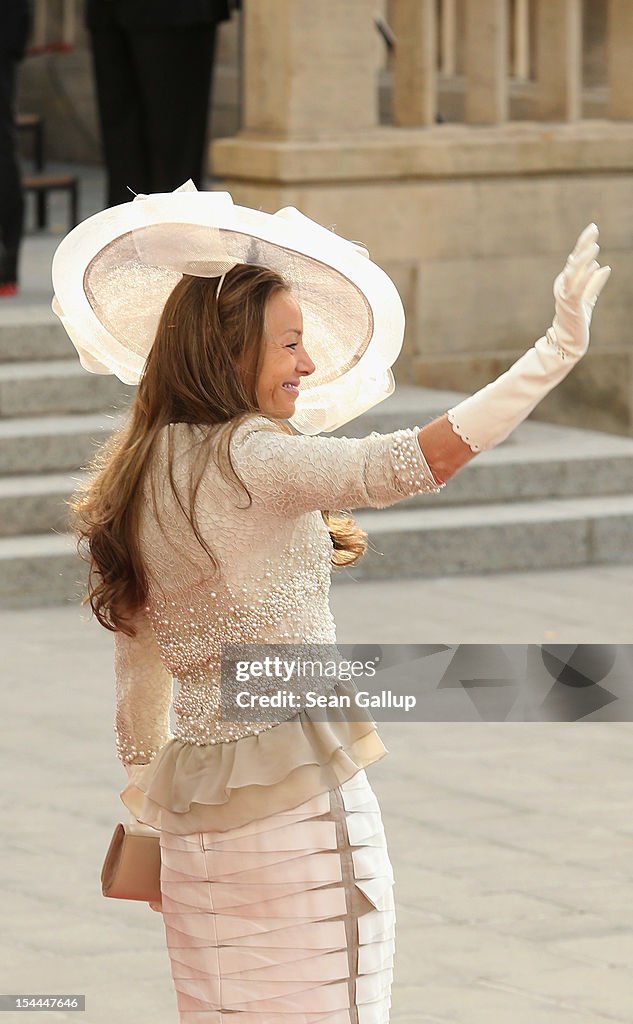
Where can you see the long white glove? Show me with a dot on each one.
(486, 418)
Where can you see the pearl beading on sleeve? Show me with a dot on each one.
(413, 470)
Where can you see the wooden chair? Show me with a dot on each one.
(42, 184)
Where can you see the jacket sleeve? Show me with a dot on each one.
(143, 694)
(292, 474)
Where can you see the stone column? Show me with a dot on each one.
(414, 23)
(486, 62)
(619, 63)
(559, 59)
(448, 34)
(302, 78)
(521, 40)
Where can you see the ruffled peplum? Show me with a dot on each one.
(189, 788)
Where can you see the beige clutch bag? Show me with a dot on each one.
(131, 869)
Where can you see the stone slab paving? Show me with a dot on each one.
(579, 605)
(512, 844)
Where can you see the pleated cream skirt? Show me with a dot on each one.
(287, 920)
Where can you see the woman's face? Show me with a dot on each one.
(285, 358)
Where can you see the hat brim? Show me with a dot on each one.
(113, 273)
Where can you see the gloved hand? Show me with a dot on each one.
(486, 418)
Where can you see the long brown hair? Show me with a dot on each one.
(189, 376)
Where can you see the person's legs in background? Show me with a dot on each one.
(175, 67)
(11, 198)
(121, 115)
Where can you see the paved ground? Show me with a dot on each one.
(512, 844)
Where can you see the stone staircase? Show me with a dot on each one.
(53, 416)
(549, 496)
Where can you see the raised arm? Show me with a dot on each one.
(489, 416)
(445, 451)
(288, 474)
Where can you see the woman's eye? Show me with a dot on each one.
(292, 344)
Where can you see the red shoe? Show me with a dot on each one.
(8, 288)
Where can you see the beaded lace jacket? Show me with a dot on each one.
(272, 586)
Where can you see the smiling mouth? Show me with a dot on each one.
(292, 388)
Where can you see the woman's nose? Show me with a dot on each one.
(305, 365)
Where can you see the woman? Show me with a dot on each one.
(209, 522)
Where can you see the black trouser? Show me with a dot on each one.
(11, 198)
(153, 93)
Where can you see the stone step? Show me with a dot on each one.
(35, 502)
(41, 570)
(543, 461)
(32, 440)
(45, 444)
(494, 538)
(408, 406)
(536, 459)
(57, 386)
(45, 569)
(32, 333)
(547, 496)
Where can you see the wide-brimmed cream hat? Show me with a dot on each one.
(113, 273)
